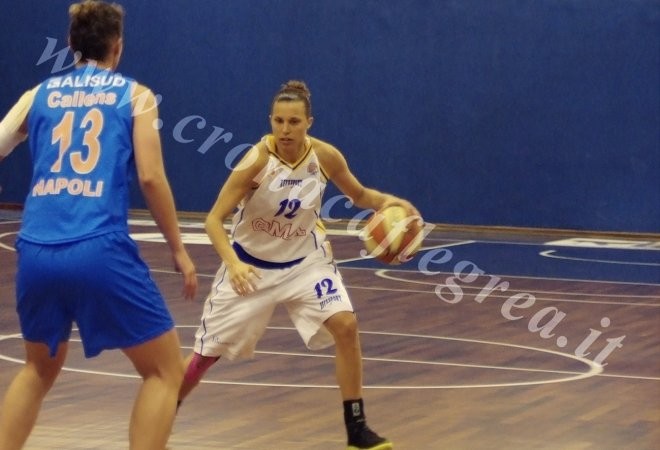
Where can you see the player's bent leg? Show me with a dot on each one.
(196, 366)
(344, 329)
(348, 363)
(26, 392)
(160, 365)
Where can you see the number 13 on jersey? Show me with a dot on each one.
(92, 122)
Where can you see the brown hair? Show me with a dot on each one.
(292, 91)
(94, 25)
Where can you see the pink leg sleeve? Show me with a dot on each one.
(198, 366)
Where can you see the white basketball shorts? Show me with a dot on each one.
(312, 291)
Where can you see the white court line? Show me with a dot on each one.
(521, 277)
(70, 369)
(4, 337)
(630, 377)
(382, 273)
(606, 243)
(549, 299)
(551, 254)
(432, 247)
(543, 299)
(7, 247)
(594, 368)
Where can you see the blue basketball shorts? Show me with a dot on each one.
(101, 283)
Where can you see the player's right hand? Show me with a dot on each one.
(243, 277)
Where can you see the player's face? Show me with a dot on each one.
(290, 124)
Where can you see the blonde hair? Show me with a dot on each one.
(94, 25)
(294, 90)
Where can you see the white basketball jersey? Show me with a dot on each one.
(279, 220)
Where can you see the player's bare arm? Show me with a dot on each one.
(154, 184)
(13, 127)
(336, 168)
(238, 184)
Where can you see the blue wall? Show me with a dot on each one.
(532, 113)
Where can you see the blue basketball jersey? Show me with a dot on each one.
(80, 129)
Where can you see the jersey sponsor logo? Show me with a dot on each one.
(276, 229)
(328, 300)
(80, 81)
(284, 183)
(74, 186)
(80, 99)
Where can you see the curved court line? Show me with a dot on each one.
(7, 247)
(550, 254)
(594, 368)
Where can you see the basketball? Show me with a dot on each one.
(392, 236)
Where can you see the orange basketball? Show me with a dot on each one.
(392, 236)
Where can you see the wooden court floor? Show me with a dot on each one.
(544, 347)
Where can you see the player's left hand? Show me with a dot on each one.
(184, 265)
(396, 201)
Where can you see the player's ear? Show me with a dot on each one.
(117, 50)
(77, 56)
(310, 120)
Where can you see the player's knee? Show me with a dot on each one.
(343, 326)
(176, 374)
(46, 375)
(197, 367)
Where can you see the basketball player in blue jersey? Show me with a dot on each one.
(279, 255)
(76, 262)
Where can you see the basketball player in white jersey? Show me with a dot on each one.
(279, 256)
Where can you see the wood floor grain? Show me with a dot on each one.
(438, 375)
